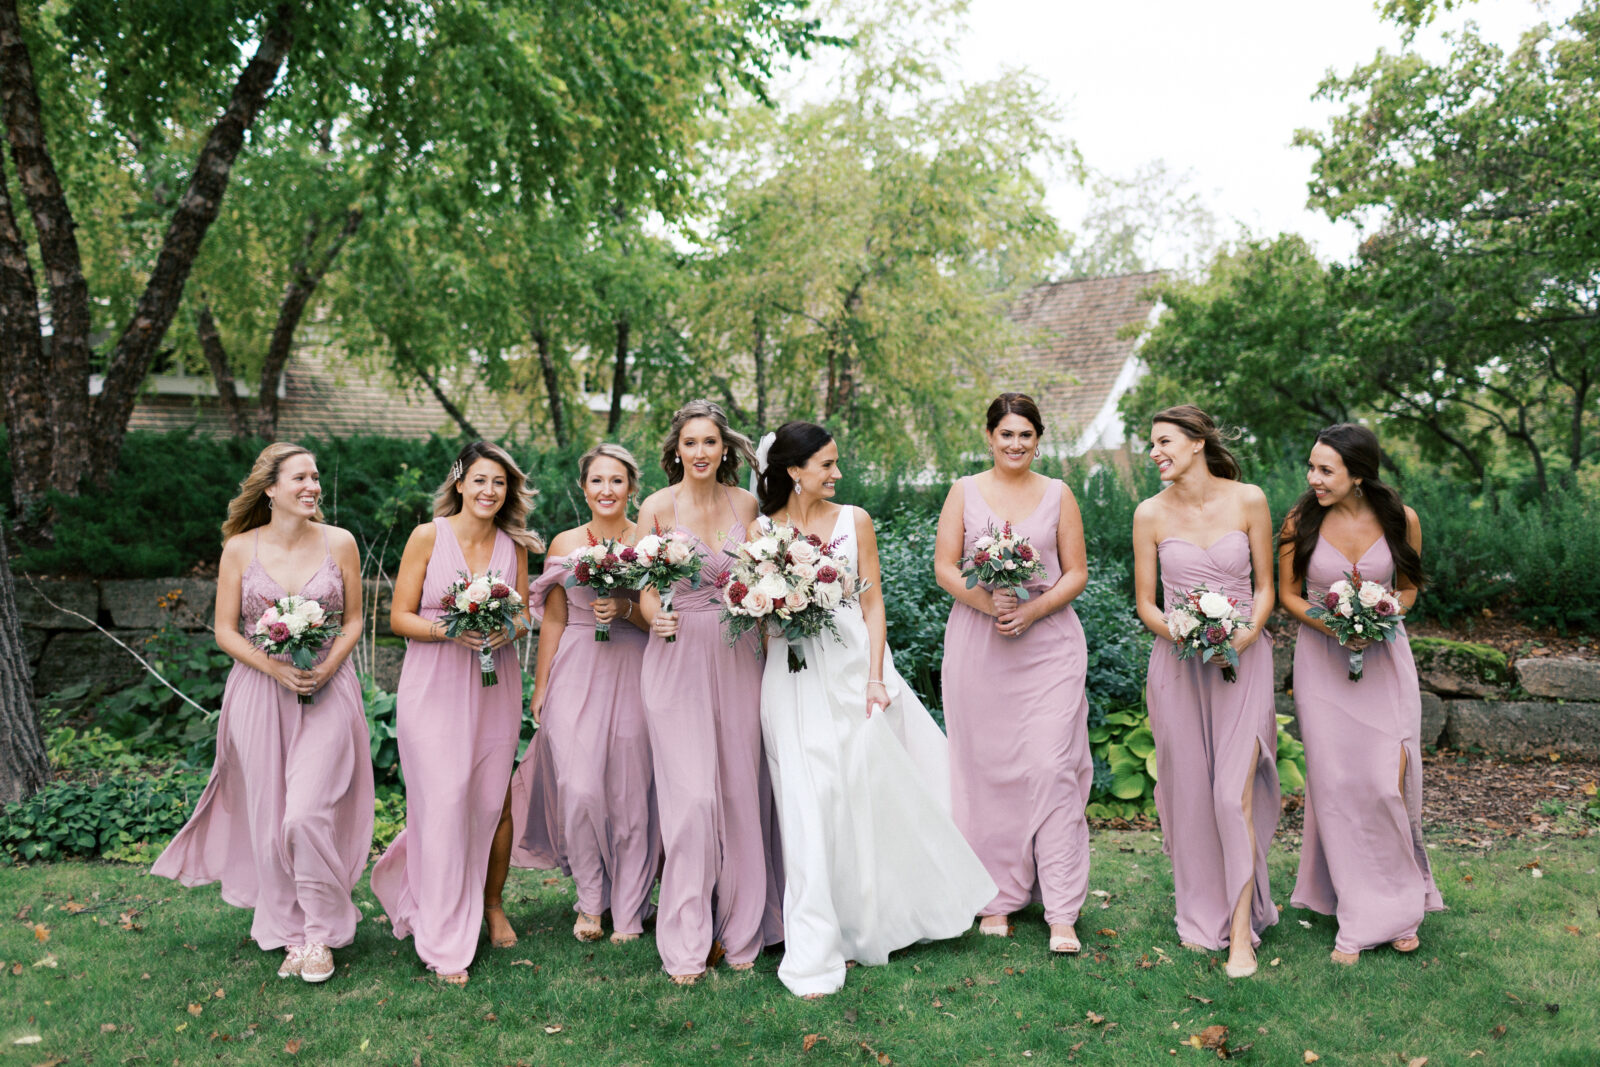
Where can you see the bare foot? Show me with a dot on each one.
(742, 966)
(994, 925)
(686, 979)
(458, 979)
(1064, 939)
(501, 935)
(814, 996)
(1406, 944)
(620, 938)
(587, 928)
(1348, 959)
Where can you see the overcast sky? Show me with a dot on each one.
(1216, 88)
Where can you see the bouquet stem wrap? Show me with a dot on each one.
(602, 630)
(666, 605)
(1357, 663)
(797, 657)
(486, 672)
(304, 659)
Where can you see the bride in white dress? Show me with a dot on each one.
(872, 860)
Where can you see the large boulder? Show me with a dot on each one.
(386, 661)
(1524, 727)
(1560, 678)
(150, 603)
(1434, 717)
(1460, 668)
(33, 610)
(76, 657)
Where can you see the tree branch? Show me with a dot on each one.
(221, 371)
(24, 377)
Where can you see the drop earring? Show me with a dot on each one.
(1359, 493)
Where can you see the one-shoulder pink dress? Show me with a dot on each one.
(1208, 731)
(1017, 716)
(721, 878)
(1362, 857)
(587, 780)
(457, 741)
(285, 823)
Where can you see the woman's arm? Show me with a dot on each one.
(1258, 528)
(1146, 563)
(1072, 553)
(947, 547)
(520, 624)
(1405, 586)
(348, 557)
(872, 609)
(551, 627)
(649, 608)
(1291, 591)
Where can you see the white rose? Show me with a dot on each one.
(796, 601)
(773, 586)
(476, 592)
(1182, 623)
(757, 603)
(983, 544)
(310, 611)
(679, 551)
(1346, 608)
(648, 548)
(1371, 593)
(1010, 565)
(762, 548)
(803, 571)
(296, 625)
(766, 566)
(1215, 605)
(804, 552)
(829, 595)
(1342, 589)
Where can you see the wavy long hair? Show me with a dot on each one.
(1196, 425)
(1359, 449)
(251, 507)
(513, 514)
(738, 445)
(792, 446)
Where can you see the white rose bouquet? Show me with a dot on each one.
(1354, 607)
(297, 627)
(601, 565)
(1002, 560)
(483, 603)
(1202, 624)
(788, 581)
(660, 561)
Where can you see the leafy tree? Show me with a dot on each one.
(1150, 220)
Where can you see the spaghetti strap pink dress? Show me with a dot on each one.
(1017, 716)
(1362, 857)
(1208, 732)
(703, 706)
(285, 823)
(457, 741)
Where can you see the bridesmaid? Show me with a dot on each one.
(1362, 858)
(587, 701)
(457, 737)
(1216, 741)
(1014, 700)
(703, 707)
(285, 823)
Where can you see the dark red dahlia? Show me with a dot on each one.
(814, 540)
(827, 575)
(1025, 553)
(1216, 635)
(499, 591)
(1330, 600)
(980, 556)
(628, 555)
(1384, 607)
(610, 559)
(448, 601)
(278, 631)
(580, 570)
(736, 592)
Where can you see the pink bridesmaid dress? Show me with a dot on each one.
(587, 782)
(718, 825)
(1017, 716)
(1207, 730)
(1362, 857)
(285, 823)
(457, 741)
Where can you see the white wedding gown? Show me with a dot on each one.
(872, 860)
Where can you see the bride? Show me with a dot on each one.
(872, 860)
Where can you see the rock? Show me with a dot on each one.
(33, 642)
(150, 603)
(1524, 728)
(73, 657)
(1459, 668)
(386, 661)
(33, 611)
(1560, 678)
(1282, 660)
(375, 600)
(1433, 718)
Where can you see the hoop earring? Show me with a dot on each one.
(269, 503)
(1036, 453)
(1359, 493)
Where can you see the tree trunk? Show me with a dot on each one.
(24, 378)
(304, 277)
(619, 380)
(197, 210)
(24, 769)
(469, 430)
(221, 371)
(58, 250)
(552, 386)
(758, 355)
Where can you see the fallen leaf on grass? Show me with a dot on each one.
(1094, 1020)
(49, 960)
(364, 1043)
(1574, 931)
(1311, 1057)
(1107, 932)
(1275, 961)
(195, 1009)
(180, 1028)
(1212, 1037)
(286, 1018)
(882, 1057)
(292, 1047)
(491, 1018)
(1499, 1031)
(53, 1061)
(31, 1039)
(41, 932)
(523, 963)
(1417, 1061)
(73, 907)
(551, 881)
(16, 968)
(851, 1015)
(108, 1028)
(1197, 996)
(553, 1028)
(808, 1042)
(126, 921)
(1307, 925)
(220, 993)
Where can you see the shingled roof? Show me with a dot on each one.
(1076, 365)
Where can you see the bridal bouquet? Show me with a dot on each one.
(601, 565)
(1002, 560)
(1202, 623)
(483, 603)
(794, 581)
(298, 627)
(1354, 607)
(662, 560)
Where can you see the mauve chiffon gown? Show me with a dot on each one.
(457, 741)
(285, 822)
(1362, 857)
(1207, 730)
(1017, 716)
(587, 783)
(703, 706)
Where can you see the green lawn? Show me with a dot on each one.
(1509, 975)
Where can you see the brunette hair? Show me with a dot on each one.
(1013, 404)
(251, 507)
(792, 446)
(739, 446)
(513, 514)
(1359, 449)
(1196, 425)
(610, 451)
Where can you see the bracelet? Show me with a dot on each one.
(629, 613)
(872, 681)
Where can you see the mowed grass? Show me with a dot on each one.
(106, 965)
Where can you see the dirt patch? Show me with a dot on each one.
(1515, 639)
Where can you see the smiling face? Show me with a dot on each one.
(1013, 442)
(820, 473)
(700, 449)
(606, 488)
(482, 489)
(1172, 451)
(1327, 475)
(298, 488)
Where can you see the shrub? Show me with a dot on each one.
(121, 816)
(914, 605)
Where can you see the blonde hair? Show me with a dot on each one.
(513, 514)
(614, 451)
(251, 507)
(739, 446)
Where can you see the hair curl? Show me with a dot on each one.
(738, 445)
(251, 507)
(513, 514)
(1196, 425)
(792, 446)
(1359, 449)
